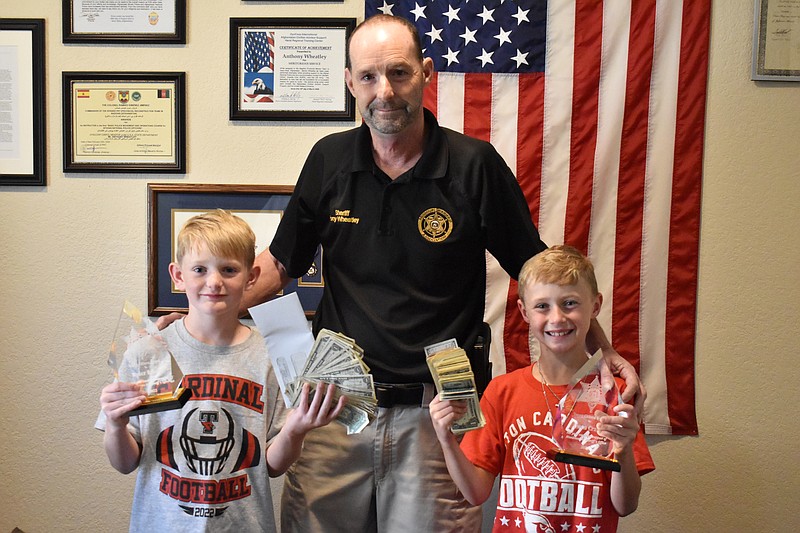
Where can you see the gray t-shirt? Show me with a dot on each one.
(203, 466)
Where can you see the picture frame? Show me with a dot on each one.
(261, 206)
(124, 122)
(23, 148)
(290, 69)
(776, 41)
(100, 21)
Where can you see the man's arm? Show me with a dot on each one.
(271, 281)
(634, 388)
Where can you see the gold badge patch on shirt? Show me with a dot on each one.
(435, 224)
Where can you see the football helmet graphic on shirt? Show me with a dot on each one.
(207, 440)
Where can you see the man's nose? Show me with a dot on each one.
(385, 89)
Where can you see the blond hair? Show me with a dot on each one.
(224, 234)
(561, 265)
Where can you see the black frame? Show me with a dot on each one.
(38, 177)
(760, 42)
(164, 198)
(179, 118)
(177, 37)
(237, 113)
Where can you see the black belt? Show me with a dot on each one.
(391, 394)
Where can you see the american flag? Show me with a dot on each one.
(256, 51)
(259, 65)
(598, 107)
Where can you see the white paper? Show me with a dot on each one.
(287, 335)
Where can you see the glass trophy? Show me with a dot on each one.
(138, 354)
(575, 426)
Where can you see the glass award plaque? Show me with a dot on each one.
(138, 354)
(575, 426)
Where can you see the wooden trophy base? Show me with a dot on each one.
(163, 402)
(578, 459)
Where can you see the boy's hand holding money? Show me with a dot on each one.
(443, 414)
(309, 414)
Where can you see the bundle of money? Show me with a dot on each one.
(454, 380)
(337, 359)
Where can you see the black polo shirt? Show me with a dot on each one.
(403, 260)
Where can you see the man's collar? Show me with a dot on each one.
(432, 164)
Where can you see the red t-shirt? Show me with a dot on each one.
(537, 493)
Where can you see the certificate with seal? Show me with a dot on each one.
(124, 122)
(118, 21)
(289, 69)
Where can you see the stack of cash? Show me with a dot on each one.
(337, 359)
(454, 380)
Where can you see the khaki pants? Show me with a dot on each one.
(389, 478)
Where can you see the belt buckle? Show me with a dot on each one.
(385, 395)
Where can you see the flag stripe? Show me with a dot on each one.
(613, 77)
(586, 73)
(657, 205)
(681, 306)
(630, 203)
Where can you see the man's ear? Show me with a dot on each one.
(348, 80)
(427, 69)
(176, 274)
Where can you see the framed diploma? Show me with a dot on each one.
(171, 205)
(115, 21)
(289, 69)
(776, 40)
(22, 111)
(124, 122)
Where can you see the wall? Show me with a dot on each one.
(71, 252)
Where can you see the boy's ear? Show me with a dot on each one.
(176, 274)
(521, 306)
(598, 303)
(251, 280)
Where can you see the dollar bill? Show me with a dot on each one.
(454, 379)
(337, 359)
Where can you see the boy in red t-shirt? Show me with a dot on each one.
(558, 298)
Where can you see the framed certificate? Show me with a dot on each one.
(171, 205)
(289, 69)
(124, 122)
(142, 21)
(22, 112)
(776, 40)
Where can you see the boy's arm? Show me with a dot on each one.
(474, 482)
(634, 388)
(625, 484)
(287, 445)
(116, 400)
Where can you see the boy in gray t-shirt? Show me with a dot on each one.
(206, 466)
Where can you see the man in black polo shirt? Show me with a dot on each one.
(404, 211)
